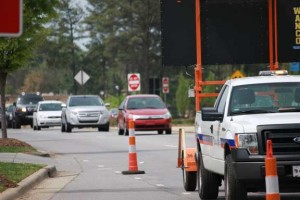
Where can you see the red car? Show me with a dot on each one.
(148, 111)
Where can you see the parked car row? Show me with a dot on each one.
(148, 111)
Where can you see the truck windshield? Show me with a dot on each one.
(265, 98)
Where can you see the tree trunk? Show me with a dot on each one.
(3, 76)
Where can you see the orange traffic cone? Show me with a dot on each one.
(272, 186)
(132, 167)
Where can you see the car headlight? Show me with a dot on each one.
(24, 109)
(247, 141)
(167, 115)
(74, 113)
(42, 116)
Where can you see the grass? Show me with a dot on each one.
(181, 121)
(12, 173)
(10, 149)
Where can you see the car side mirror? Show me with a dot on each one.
(14, 103)
(63, 105)
(107, 105)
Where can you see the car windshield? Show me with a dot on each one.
(265, 98)
(85, 101)
(145, 102)
(29, 100)
(50, 107)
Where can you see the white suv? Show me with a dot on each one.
(85, 111)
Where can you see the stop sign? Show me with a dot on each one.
(165, 85)
(134, 82)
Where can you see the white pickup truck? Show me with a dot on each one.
(231, 136)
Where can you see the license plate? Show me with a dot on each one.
(296, 171)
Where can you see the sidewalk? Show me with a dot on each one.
(29, 182)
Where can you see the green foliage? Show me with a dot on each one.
(182, 99)
(209, 101)
(114, 101)
(15, 52)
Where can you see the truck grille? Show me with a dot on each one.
(282, 137)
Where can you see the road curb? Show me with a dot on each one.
(28, 183)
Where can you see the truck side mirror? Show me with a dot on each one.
(211, 114)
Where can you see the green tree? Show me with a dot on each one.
(128, 32)
(15, 52)
(182, 99)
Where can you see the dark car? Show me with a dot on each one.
(9, 115)
(24, 107)
(148, 112)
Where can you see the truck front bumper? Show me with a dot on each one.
(250, 169)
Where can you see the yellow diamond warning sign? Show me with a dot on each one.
(237, 74)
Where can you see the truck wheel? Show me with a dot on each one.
(160, 132)
(233, 188)
(208, 182)
(189, 179)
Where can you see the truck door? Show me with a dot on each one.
(217, 129)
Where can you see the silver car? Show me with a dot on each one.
(83, 111)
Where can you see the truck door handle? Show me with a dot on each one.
(211, 128)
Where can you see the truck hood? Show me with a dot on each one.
(249, 122)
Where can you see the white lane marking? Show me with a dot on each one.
(100, 165)
(186, 193)
(137, 178)
(85, 160)
(172, 146)
(142, 162)
(117, 172)
(159, 185)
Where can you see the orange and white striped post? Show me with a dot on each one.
(132, 165)
(272, 186)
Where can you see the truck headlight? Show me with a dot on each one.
(247, 141)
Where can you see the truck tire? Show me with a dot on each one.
(208, 182)
(189, 179)
(234, 190)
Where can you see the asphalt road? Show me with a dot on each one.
(90, 165)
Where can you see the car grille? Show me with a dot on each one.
(54, 117)
(89, 114)
(282, 137)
